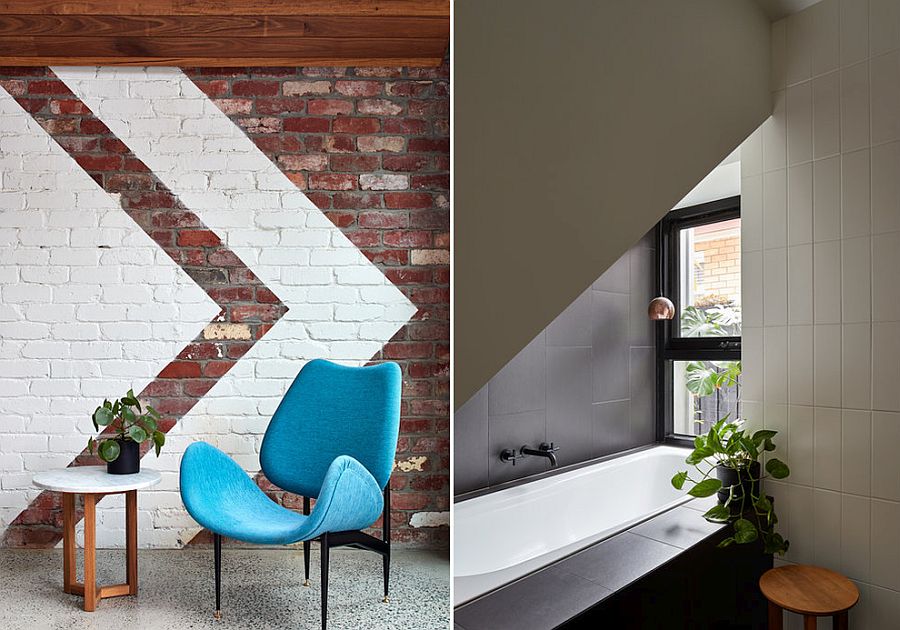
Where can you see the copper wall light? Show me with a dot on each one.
(661, 308)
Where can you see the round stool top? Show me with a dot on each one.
(94, 480)
(808, 590)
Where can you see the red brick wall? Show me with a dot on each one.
(371, 148)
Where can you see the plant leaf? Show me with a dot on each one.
(705, 488)
(725, 543)
(103, 416)
(136, 433)
(718, 514)
(698, 455)
(777, 468)
(744, 531)
(679, 479)
(149, 423)
(159, 438)
(109, 450)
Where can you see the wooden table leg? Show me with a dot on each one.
(90, 558)
(809, 622)
(841, 621)
(68, 502)
(131, 540)
(776, 617)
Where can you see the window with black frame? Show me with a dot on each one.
(699, 350)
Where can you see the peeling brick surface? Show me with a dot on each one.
(366, 138)
(370, 148)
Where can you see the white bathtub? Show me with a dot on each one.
(505, 535)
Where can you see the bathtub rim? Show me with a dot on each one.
(552, 472)
(570, 550)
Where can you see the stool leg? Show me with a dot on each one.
(776, 617)
(68, 501)
(841, 621)
(90, 559)
(809, 622)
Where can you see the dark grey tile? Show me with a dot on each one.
(610, 346)
(522, 383)
(470, 444)
(681, 527)
(643, 287)
(572, 327)
(616, 278)
(513, 431)
(543, 600)
(620, 560)
(611, 432)
(569, 420)
(642, 383)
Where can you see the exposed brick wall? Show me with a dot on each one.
(371, 149)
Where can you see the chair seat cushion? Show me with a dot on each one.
(220, 496)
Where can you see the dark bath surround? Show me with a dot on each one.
(585, 383)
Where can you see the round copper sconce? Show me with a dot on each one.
(661, 308)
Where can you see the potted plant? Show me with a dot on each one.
(132, 425)
(734, 454)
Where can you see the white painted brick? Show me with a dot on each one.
(49, 313)
(22, 293)
(358, 312)
(26, 444)
(44, 274)
(25, 330)
(46, 350)
(76, 293)
(13, 499)
(100, 313)
(75, 331)
(23, 368)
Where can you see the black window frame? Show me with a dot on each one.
(669, 346)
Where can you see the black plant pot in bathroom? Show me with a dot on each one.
(741, 480)
(129, 460)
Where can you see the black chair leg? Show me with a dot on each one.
(386, 537)
(217, 546)
(307, 546)
(323, 543)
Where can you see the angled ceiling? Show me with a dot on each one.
(237, 32)
(575, 132)
(777, 9)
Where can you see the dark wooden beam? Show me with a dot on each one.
(237, 32)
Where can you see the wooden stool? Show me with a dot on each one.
(810, 591)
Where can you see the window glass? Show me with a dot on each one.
(710, 280)
(704, 392)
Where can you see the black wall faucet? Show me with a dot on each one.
(545, 449)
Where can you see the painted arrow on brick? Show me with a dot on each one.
(249, 308)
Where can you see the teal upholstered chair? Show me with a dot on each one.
(332, 439)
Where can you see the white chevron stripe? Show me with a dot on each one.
(341, 306)
(89, 305)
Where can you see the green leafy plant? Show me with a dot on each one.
(720, 320)
(130, 421)
(728, 446)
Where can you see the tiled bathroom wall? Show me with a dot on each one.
(586, 383)
(821, 268)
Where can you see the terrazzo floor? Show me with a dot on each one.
(261, 588)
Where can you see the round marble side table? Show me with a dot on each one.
(93, 482)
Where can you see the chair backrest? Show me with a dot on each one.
(332, 410)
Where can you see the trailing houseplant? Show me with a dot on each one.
(132, 425)
(733, 454)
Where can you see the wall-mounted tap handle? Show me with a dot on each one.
(509, 455)
(548, 447)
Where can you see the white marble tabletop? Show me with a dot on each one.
(94, 480)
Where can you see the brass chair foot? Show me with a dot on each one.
(386, 599)
(305, 582)
(217, 615)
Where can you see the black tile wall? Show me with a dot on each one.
(587, 383)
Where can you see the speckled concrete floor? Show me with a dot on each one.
(261, 588)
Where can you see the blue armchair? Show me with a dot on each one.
(332, 439)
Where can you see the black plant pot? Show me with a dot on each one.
(129, 460)
(741, 480)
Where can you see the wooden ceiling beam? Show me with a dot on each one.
(237, 32)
